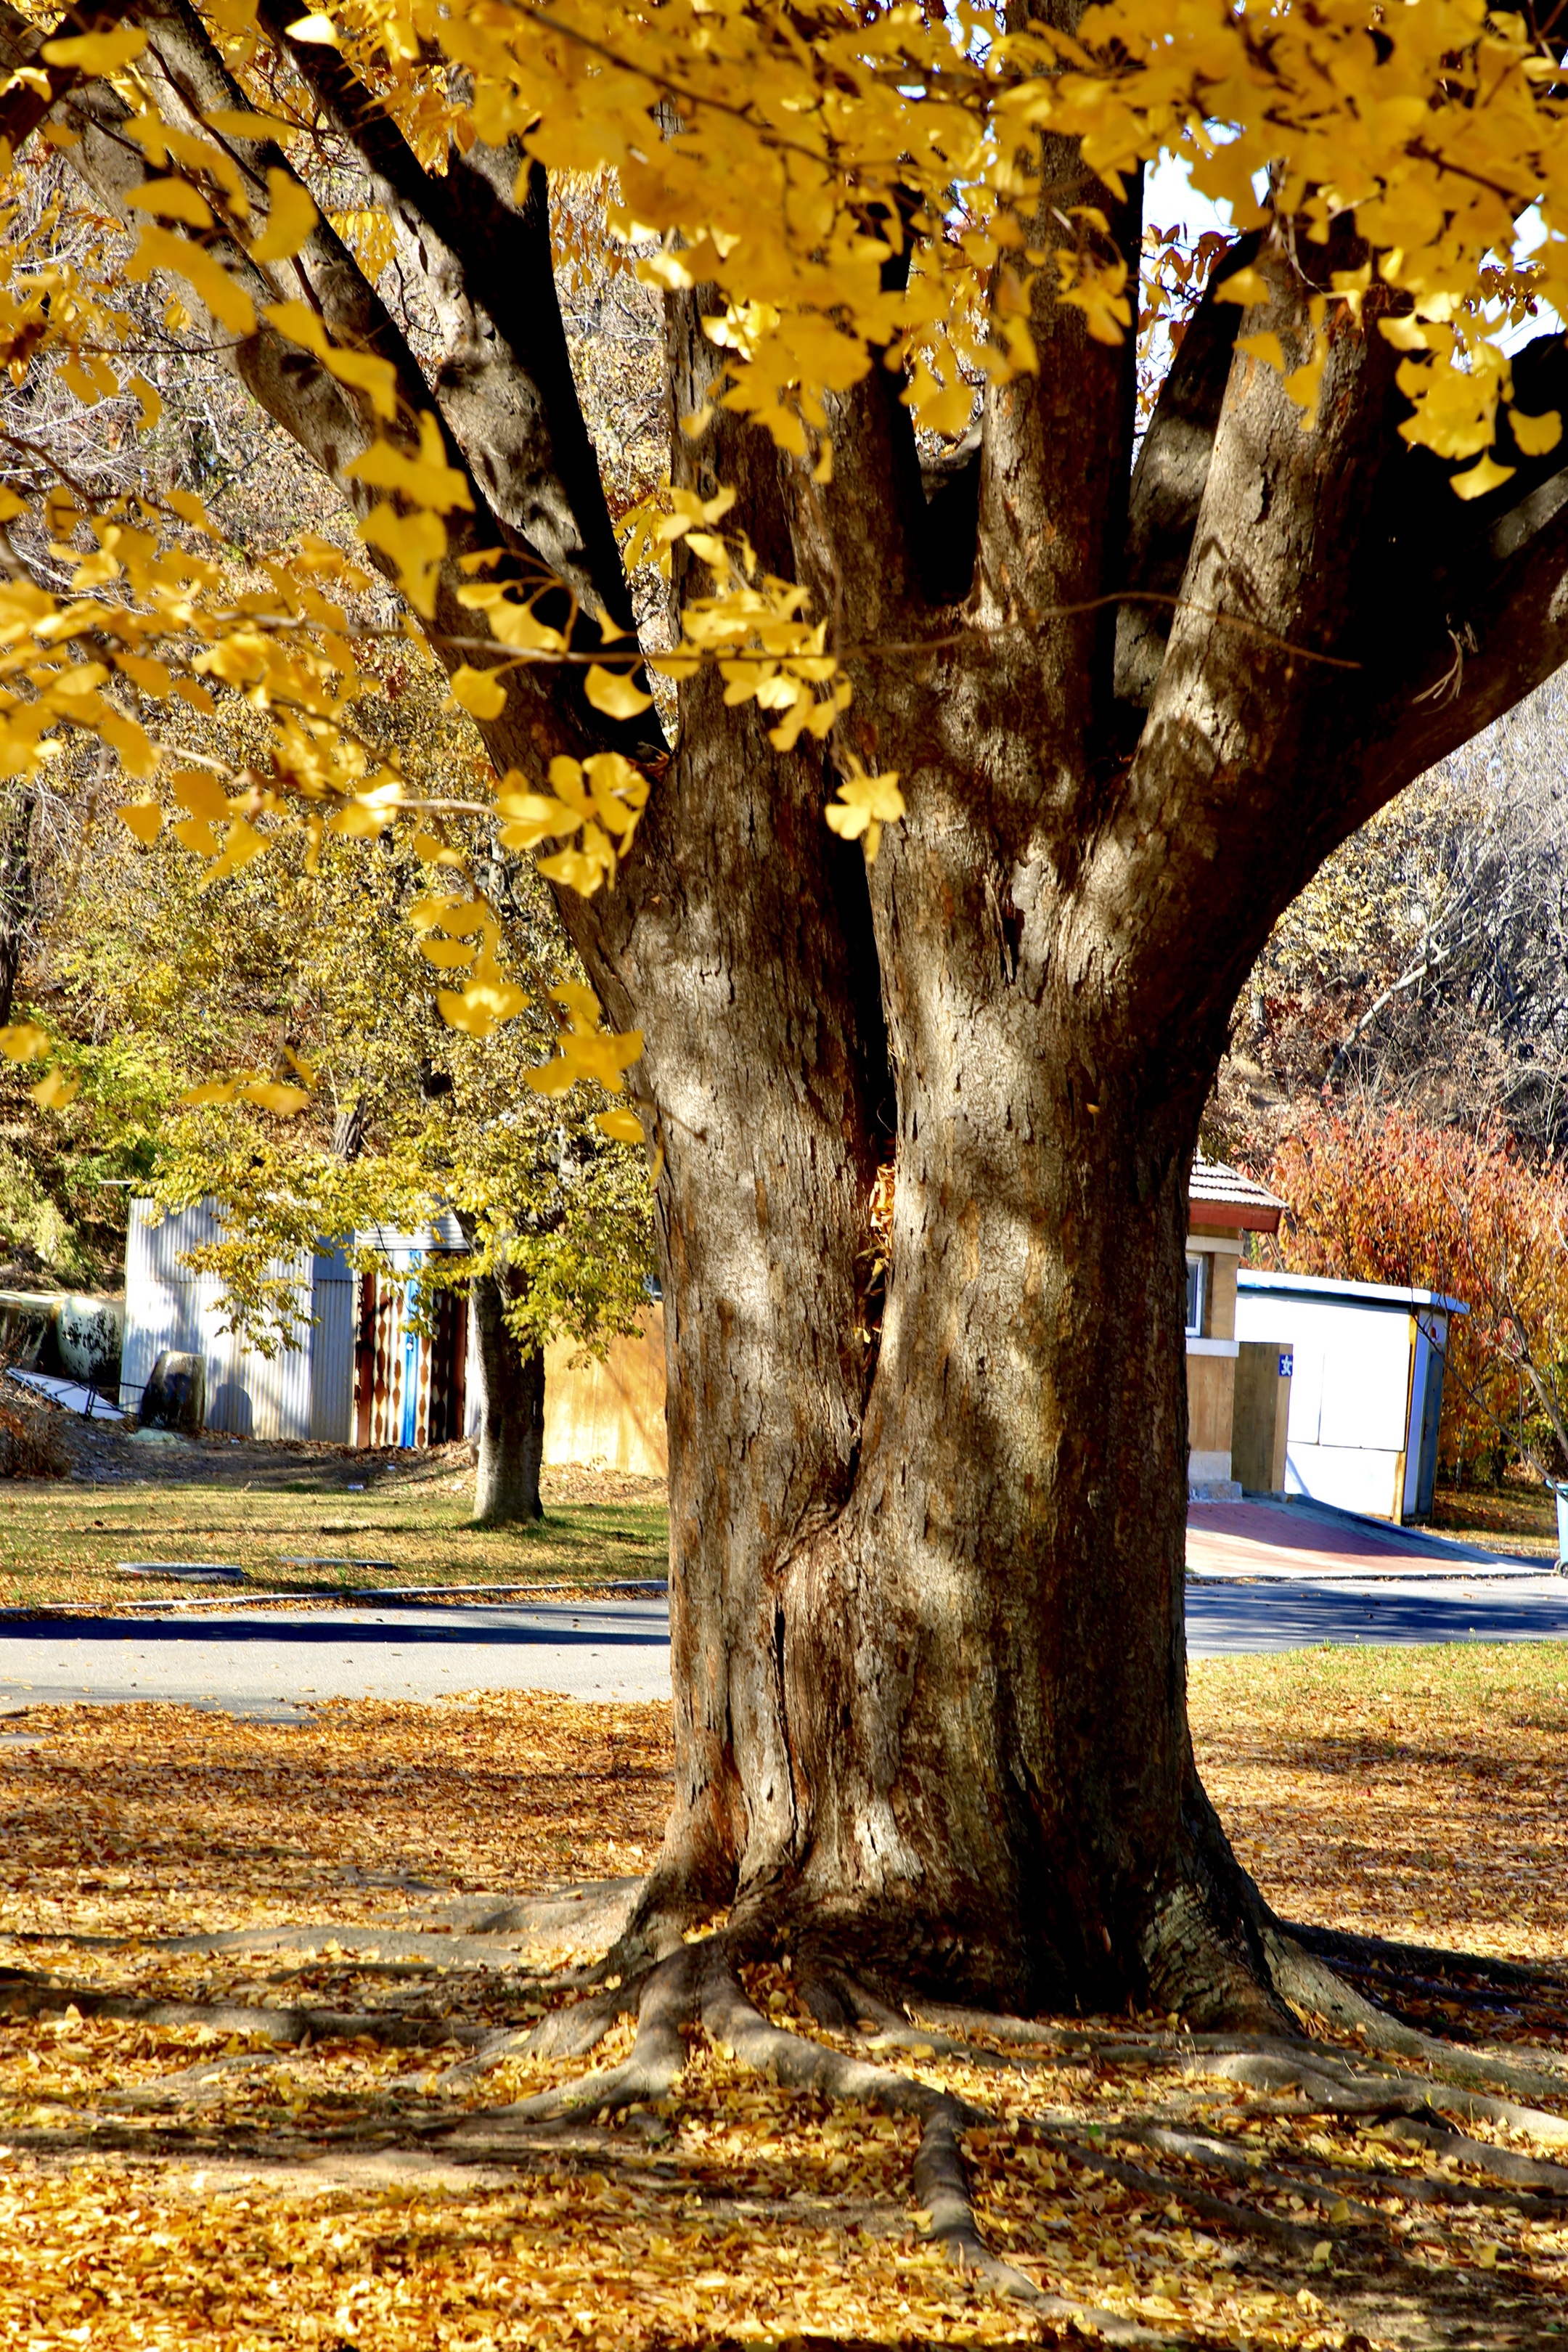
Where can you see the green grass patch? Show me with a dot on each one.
(1474, 1673)
(59, 1545)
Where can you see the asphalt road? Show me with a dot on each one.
(272, 1663)
(275, 1664)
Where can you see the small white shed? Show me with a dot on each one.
(357, 1374)
(1366, 1386)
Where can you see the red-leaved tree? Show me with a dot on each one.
(1381, 1198)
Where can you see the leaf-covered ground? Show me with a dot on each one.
(1518, 1516)
(304, 2166)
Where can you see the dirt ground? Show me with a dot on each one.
(106, 1452)
(264, 2078)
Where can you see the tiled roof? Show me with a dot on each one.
(1219, 1195)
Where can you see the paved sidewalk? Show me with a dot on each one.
(1294, 1537)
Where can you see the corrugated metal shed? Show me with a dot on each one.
(248, 1393)
(358, 1372)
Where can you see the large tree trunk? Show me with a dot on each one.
(511, 1413)
(927, 1569)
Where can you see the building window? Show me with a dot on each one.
(1197, 1295)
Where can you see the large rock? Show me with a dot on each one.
(176, 1395)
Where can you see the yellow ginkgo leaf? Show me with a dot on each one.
(291, 216)
(613, 692)
(201, 793)
(151, 677)
(426, 480)
(620, 1126)
(236, 122)
(865, 804)
(189, 508)
(315, 28)
(143, 818)
(211, 1090)
(162, 248)
(480, 691)
(24, 1041)
(1265, 346)
(365, 371)
(273, 1095)
(1485, 475)
(96, 53)
(474, 1020)
(535, 818)
(463, 918)
(138, 755)
(54, 1089)
(171, 200)
(1534, 436)
(415, 544)
(446, 954)
(1245, 286)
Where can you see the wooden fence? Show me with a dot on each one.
(610, 1413)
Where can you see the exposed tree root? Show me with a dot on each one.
(697, 1990)
(1508, 2163)
(940, 2185)
(735, 2024)
(667, 1999)
(1338, 1945)
(1346, 2184)
(479, 1930)
(30, 1996)
(1314, 1988)
(569, 2032)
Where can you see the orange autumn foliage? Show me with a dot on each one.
(1385, 1199)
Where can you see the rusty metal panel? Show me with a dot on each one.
(410, 1385)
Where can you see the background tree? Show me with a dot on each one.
(1424, 967)
(927, 1581)
(167, 1005)
(1376, 1196)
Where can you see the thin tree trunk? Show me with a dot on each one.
(511, 1413)
(16, 895)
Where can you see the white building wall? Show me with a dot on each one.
(1361, 1387)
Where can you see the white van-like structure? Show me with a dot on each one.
(1366, 1386)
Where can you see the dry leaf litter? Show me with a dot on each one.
(168, 2181)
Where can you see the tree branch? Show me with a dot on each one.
(1169, 478)
(1056, 446)
(484, 264)
(332, 424)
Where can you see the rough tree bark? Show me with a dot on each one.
(511, 1411)
(927, 1579)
